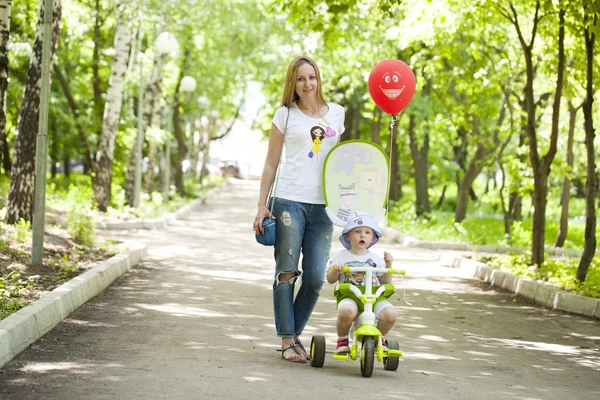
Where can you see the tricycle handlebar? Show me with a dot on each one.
(391, 271)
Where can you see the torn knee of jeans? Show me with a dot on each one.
(287, 278)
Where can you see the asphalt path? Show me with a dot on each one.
(195, 321)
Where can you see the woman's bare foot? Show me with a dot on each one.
(301, 347)
(290, 352)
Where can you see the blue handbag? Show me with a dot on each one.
(267, 237)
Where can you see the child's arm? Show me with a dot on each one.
(333, 274)
(389, 260)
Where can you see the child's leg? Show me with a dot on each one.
(347, 311)
(387, 315)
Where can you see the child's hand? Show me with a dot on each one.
(387, 257)
(338, 267)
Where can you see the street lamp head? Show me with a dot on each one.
(188, 84)
(166, 43)
(203, 101)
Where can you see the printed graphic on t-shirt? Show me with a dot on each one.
(358, 278)
(317, 134)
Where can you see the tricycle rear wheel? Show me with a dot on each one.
(391, 363)
(317, 351)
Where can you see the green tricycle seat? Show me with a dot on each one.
(343, 291)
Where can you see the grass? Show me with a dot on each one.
(484, 227)
(71, 246)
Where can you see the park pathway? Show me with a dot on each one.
(194, 321)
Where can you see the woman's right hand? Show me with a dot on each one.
(261, 214)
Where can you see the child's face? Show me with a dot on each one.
(360, 237)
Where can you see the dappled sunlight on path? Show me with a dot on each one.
(196, 317)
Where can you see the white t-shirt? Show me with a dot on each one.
(307, 142)
(351, 260)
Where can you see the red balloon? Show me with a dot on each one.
(392, 85)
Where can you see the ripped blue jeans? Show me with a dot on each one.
(301, 228)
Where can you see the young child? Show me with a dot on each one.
(361, 232)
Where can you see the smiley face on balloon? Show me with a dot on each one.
(392, 85)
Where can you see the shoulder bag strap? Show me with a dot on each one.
(273, 190)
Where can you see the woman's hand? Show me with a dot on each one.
(261, 214)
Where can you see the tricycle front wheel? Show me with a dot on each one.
(367, 356)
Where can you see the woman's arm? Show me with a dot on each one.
(268, 175)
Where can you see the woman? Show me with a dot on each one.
(299, 209)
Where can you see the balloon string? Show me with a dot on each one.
(387, 203)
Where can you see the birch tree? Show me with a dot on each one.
(112, 109)
(151, 102)
(21, 191)
(4, 35)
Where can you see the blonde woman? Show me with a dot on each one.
(303, 227)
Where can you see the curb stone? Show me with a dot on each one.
(168, 219)
(536, 292)
(24, 327)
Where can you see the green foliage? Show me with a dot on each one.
(560, 274)
(23, 231)
(74, 196)
(82, 228)
(65, 267)
(14, 289)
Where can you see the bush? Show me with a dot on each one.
(13, 289)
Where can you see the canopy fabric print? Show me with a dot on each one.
(355, 178)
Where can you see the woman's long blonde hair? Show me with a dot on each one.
(289, 90)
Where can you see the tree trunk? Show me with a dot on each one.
(67, 163)
(395, 178)
(205, 155)
(440, 201)
(112, 111)
(4, 35)
(6, 163)
(541, 170)
(355, 133)
(515, 199)
(566, 190)
(348, 123)
(149, 178)
(151, 102)
(589, 246)
(53, 154)
(484, 149)
(420, 155)
(96, 80)
(181, 147)
(19, 203)
(505, 212)
(541, 166)
(376, 126)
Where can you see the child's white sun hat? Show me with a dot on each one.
(357, 219)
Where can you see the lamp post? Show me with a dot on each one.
(166, 43)
(188, 85)
(41, 149)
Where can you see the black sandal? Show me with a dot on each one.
(293, 347)
(299, 344)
